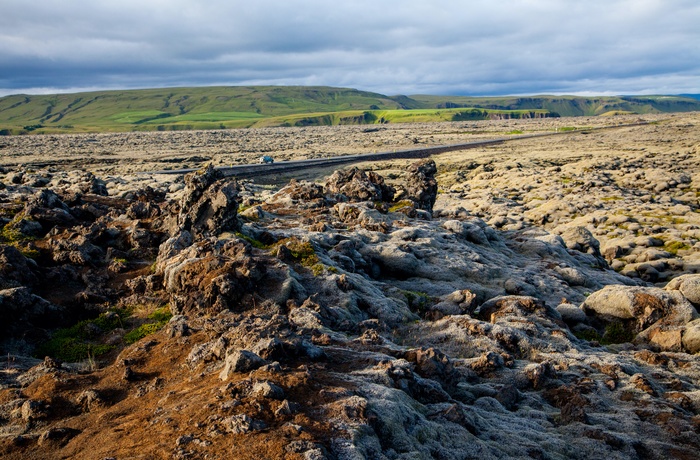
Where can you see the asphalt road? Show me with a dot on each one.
(257, 170)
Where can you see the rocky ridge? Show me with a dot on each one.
(359, 318)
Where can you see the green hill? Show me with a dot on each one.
(569, 106)
(247, 106)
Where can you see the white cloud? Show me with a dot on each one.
(443, 46)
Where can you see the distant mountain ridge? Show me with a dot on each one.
(260, 106)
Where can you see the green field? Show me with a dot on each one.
(241, 107)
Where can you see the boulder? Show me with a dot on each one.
(242, 424)
(639, 306)
(19, 308)
(209, 276)
(300, 195)
(421, 186)
(357, 185)
(456, 303)
(513, 305)
(56, 437)
(691, 337)
(268, 390)
(467, 230)
(208, 206)
(581, 239)
(571, 314)
(240, 361)
(77, 249)
(15, 268)
(688, 285)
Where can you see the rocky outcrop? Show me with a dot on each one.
(208, 206)
(22, 310)
(209, 276)
(663, 319)
(16, 269)
(421, 186)
(641, 306)
(357, 185)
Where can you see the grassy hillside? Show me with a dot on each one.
(209, 107)
(570, 106)
(239, 106)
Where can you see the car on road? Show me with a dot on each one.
(266, 159)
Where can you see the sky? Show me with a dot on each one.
(455, 47)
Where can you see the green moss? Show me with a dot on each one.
(677, 220)
(76, 343)
(400, 205)
(301, 251)
(611, 198)
(143, 331)
(253, 242)
(161, 314)
(11, 210)
(13, 237)
(588, 335)
(674, 246)
(616, 333)
(71, 349)
(417, 301)
(81, 341)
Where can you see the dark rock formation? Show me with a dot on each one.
(357, 185)
(210, 205)
(421, 186)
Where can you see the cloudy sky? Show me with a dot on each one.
(469, 47)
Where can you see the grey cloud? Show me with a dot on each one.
(475, 47)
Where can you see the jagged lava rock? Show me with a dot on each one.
(421, 186)
(209, 204)
(355, 184)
